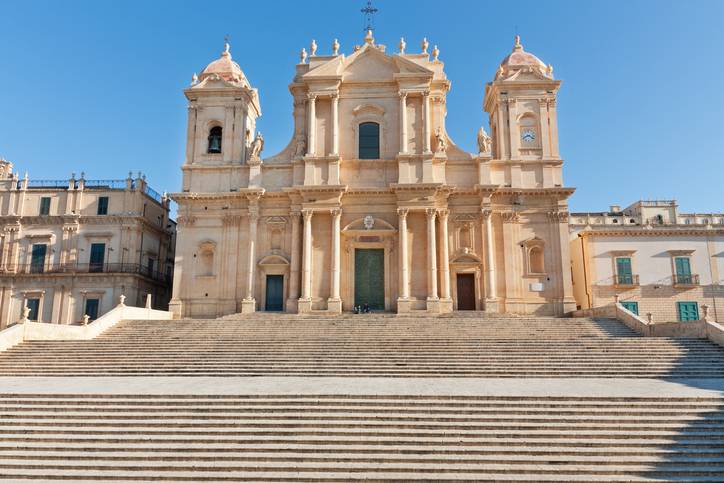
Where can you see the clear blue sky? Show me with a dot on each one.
(96, 86)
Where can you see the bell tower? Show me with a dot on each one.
(521, 103)
(222, 113)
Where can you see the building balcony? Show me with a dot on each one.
(690, 280)
(625, 280)
(82, 268)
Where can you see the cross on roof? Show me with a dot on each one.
(369, 12)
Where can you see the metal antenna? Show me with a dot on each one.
(369, 12)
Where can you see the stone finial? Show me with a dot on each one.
(517, 45)
(313, 48)
(704, 312)
(148, 301)
(86, 319)
(435, 53)
(424, 45)
(402, 45)
(72, 175)
(335, 47)
(226, 52)
(368, 38)
(194, 79)
(82, 175)
(130, 175)
(139, 174)
(650, 317)
(616, 298)
(122, 300)
(549, 70)
(303, 56)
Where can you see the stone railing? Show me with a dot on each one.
(27, 330)
(702, 328)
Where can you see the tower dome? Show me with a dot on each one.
(519, 59)
(225, 68)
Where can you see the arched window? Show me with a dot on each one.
(215, 139)
(535, 257)
(369, 140)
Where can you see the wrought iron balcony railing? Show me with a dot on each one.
(79, 268)
(626, 280)
(686, 280)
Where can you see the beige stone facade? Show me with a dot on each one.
(70, 248)
(371, 201)
(651, 258)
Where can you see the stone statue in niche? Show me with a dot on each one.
(300, 148)
(441, 142)
(484, 141)
(255, 149)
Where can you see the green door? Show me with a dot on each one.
(369, 277)
(688, 311)
(97, 255)
(274, 293)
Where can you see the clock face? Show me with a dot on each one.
(528, 136)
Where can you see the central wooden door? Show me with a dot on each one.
(466, 291)
(274, 293)
(369, 277)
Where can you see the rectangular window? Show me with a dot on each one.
(151, 266)
(687, 311)
(102, 205)
(632, 307)
(44, 205)
(624, 274)
(369, 140)
(683, 270)
(37, 258)
(34, 306)
(97, 256)
(91, 308)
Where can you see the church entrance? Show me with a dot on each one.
(466, 291)
(274, 293)
(369, 277)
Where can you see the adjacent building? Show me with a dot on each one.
(70, 248)
(651, 258)
(371, 202)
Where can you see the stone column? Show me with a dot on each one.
(312, 125)
(544, 131)
(403, 301)
(335, 125)
(445, 262)
(305, 302)
(334, 304)
(431, 256)
(426, 123)
(403, 122)
(294, 269)
(553, 120)
(491, 303)
(249, 304)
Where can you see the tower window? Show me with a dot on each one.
(215, 139)
(369, 140)
(102, 205)
(44, 206)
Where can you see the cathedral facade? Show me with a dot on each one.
(371, 202)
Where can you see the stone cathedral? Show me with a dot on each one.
(371, 202)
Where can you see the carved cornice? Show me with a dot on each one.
(277, 221)
(183, 221)
(558, 216)
(510, 216)
(232, 220)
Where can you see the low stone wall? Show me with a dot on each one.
(18, 333)
(701, 329)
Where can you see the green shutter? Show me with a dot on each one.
(623, 271)
(98, 251)
(37, 258)
(688, 311)
(631, 307)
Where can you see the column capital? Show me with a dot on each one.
(335, 211)
(430, 212)
(402, 94)
(443, 213)
(558, 216)
(485, 213)
(426, 93)
(312, 97)
(307, 214)
(334, 96)
(402, 212)
(295, 213)
(510, 216)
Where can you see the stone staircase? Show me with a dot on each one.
(352, 438)
(364, 398)
(370, 346)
